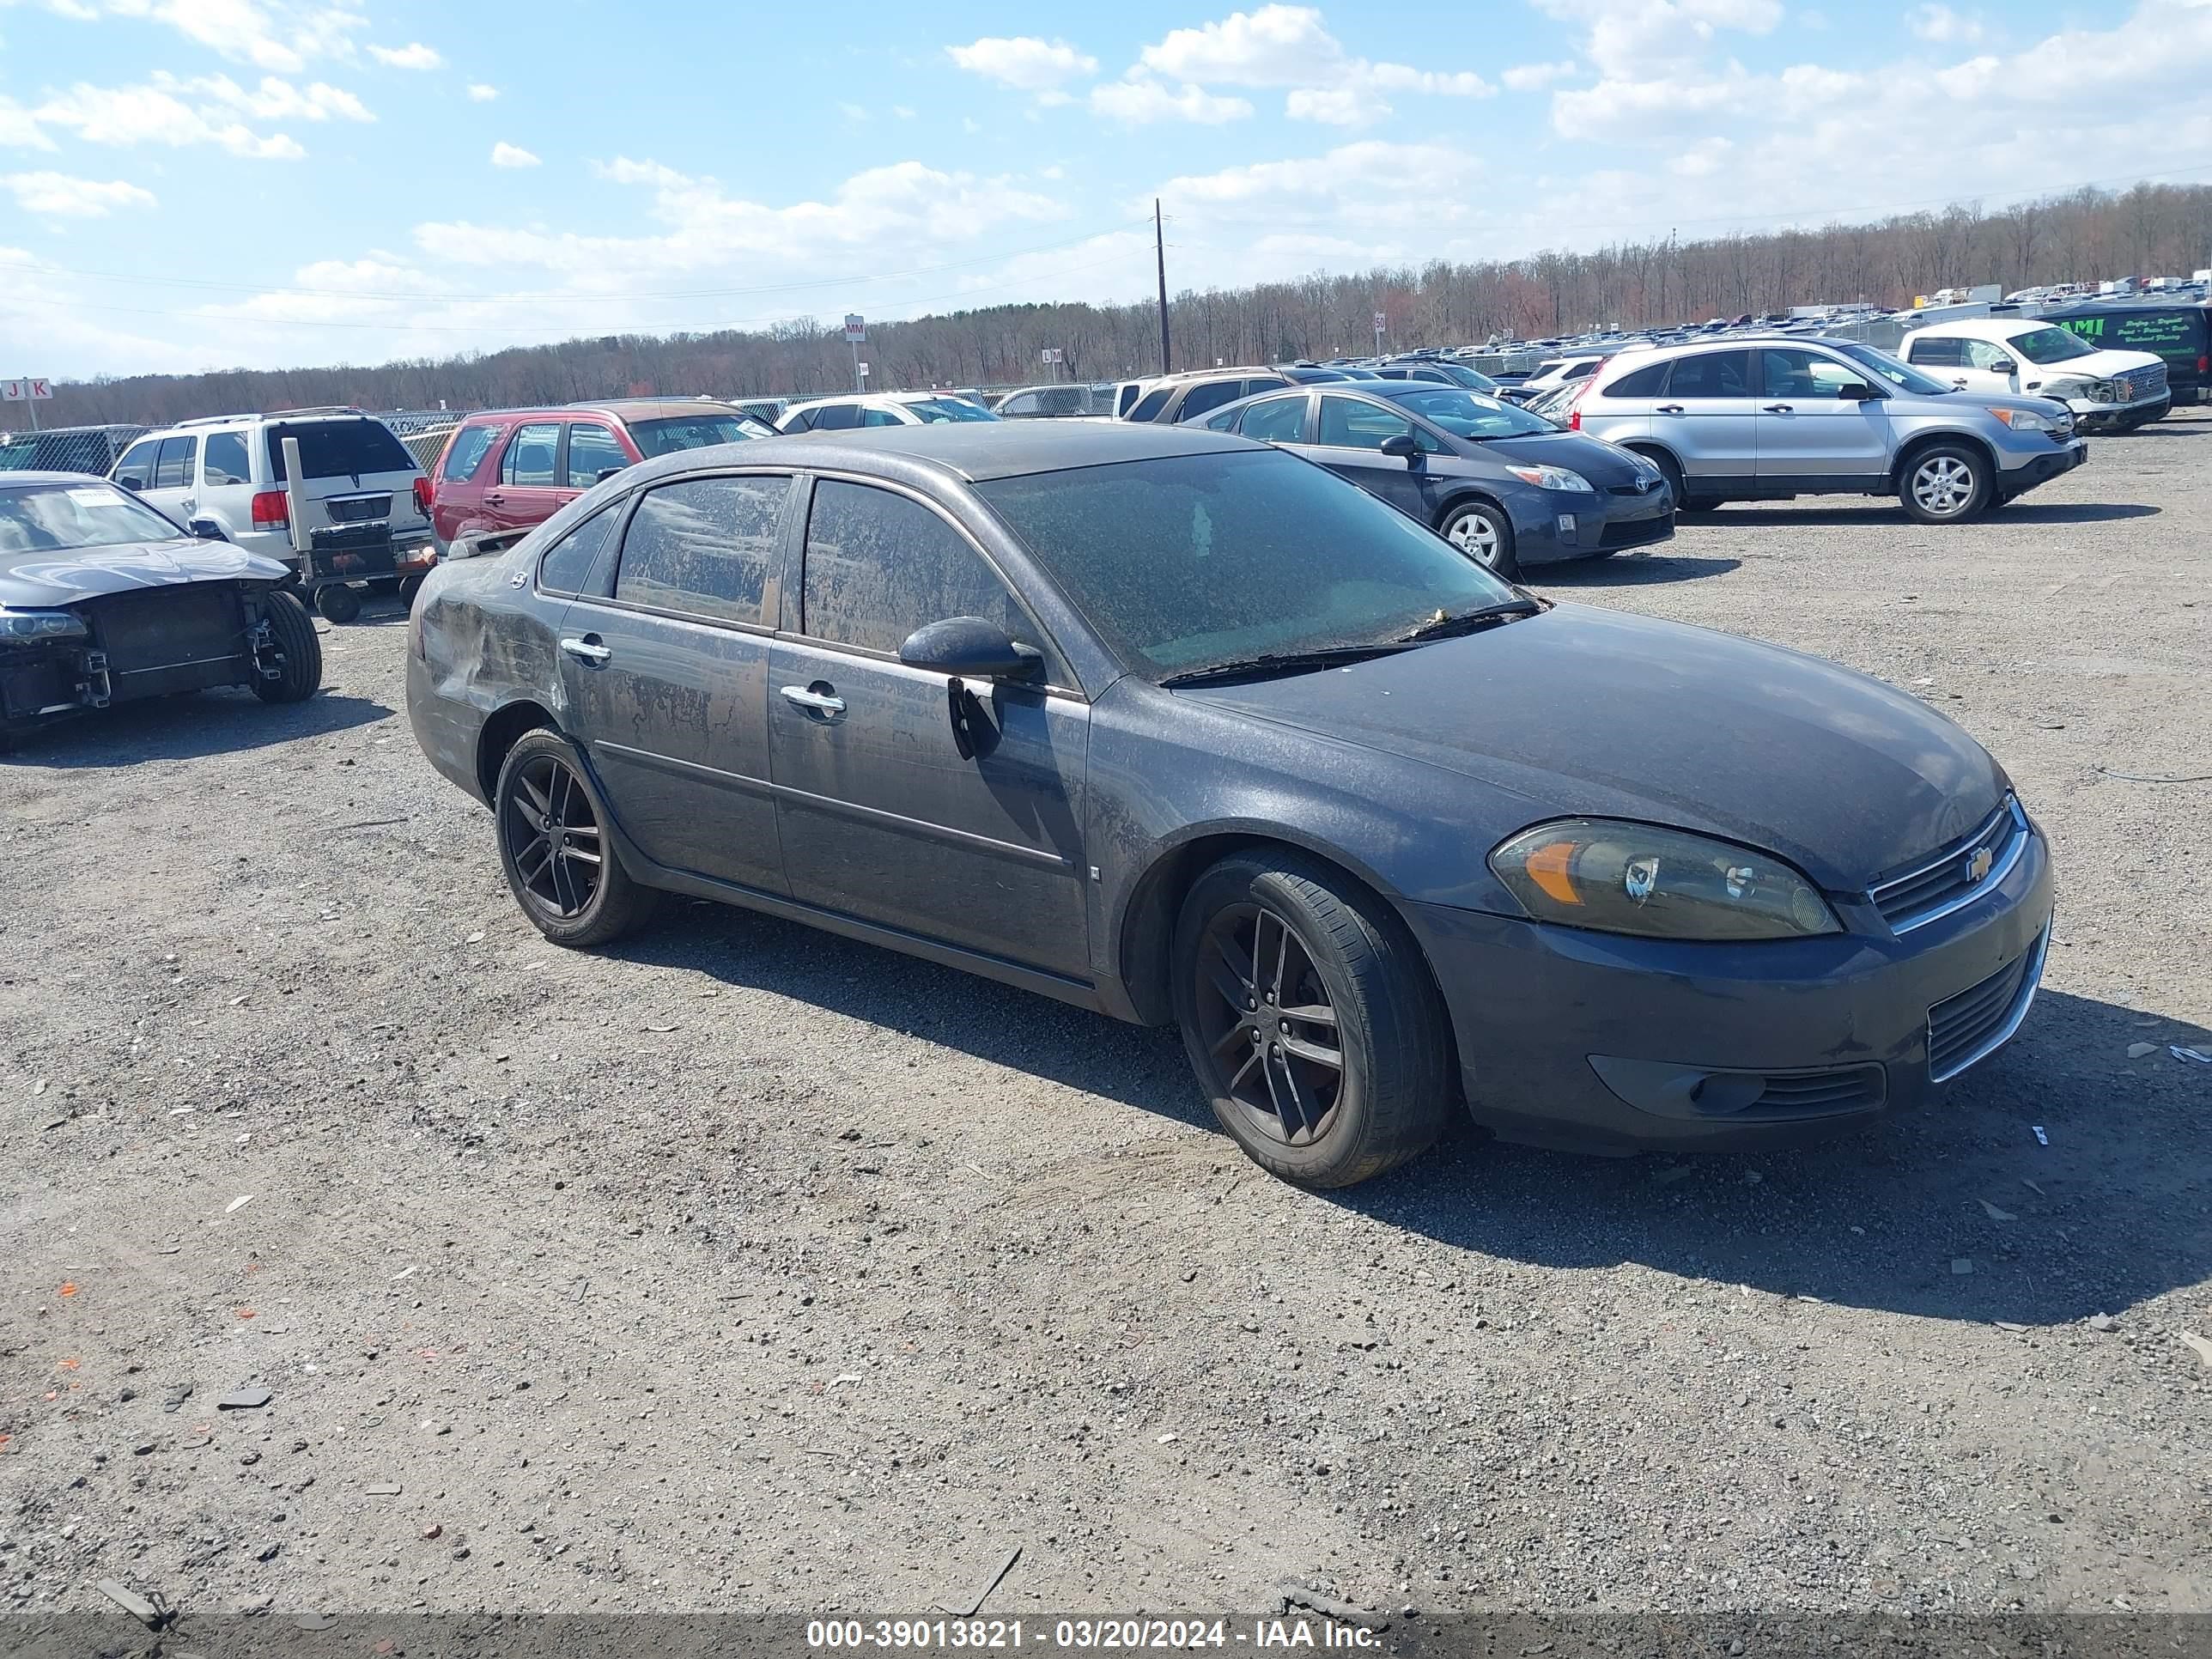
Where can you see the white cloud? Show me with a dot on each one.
(1281, 45)
(124, 115)
(1023, 61)
(271, 35)
(412, 56)
(482, 92)
(504, 154)
(1637, 40)
(55, 195)
(18, 128)
(1945, 26)
(1138, 102)
(274, 99)
(854, 112)
(904, 112)
(1534, 77)
(1338, 106)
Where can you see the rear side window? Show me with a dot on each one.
(529, 457)
(1943, 354)
(835, 417)
(702, 547)
(136, 470)
(592, 450)
(880, 417)
(339, 449)
(1648, 381)
(465, 453)
(878, 566)
(1711, 374)
(225, 461)
(173, 468)
(1149, 407)
(1210, 394)
(567, 566)
(1277, 421)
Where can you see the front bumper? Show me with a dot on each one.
(1607, 1043)
(1553, 526)
(2105, 417)
(2041, 469)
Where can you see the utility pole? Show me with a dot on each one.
(1160, 254)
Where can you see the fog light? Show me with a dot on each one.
(1567, 524)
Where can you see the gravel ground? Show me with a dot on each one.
(747, 1267)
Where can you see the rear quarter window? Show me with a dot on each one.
(336, 449)
(466, 453)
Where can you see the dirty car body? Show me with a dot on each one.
(1167, 712)
(103, 600)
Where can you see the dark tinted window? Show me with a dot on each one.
(1646, 382)
(666, 437)
(835, 417)
(1149, 407)
(567, 566)
(703, 546)
(1711, 374)
(798, 420)
(1276, 420)
(1210, 394)
(1260, 383)
(225, 461)
(880, 417)
(529, 456)
(174, 469)
(878, 566)
(136, 470)
(592, 450)
(466, 449)
(339, 449)
(1943, 354)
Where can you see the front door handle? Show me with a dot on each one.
(587, 649)
(1775, 409)
(188, 503)
(822, 702)
(1670, 408)
(492, 498)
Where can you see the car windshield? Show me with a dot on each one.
(2050, 345)
(1188, 561)
(1469, 413)
(57, 517)
(1901, 375)
(692, 432)
(930, 411)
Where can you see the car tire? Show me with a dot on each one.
(1945, 483)
(408, 587)
(295, 634)
(1337, 1065)
(553, 845)
(1484, 533)
(336, 604)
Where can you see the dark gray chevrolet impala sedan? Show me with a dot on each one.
(1182, 728)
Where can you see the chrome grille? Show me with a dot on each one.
(1968, 1027)
(358, 509)
(1950, 880)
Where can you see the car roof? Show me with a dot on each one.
(1982, 328)
(9, 480)
(973, 452)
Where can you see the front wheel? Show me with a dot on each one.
(1484, 533)
(1310, 1020)
(554, 847)
(301, 673)
(1947, 483)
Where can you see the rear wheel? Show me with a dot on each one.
(1484, 533)
(302, 675)
(1945, 483)
(408, 587)
(1310, 1020)
(554, 847)
(337, 603)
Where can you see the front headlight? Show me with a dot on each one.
(2075, 386)
(39, 626)
(1622, 878)
(2025, 420)
(1552, 477)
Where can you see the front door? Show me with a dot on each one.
(174, 486)
(1708, 416)
(527, 490)
(882, 818)
(1805, 432)
(666, 669)
(1348, 440)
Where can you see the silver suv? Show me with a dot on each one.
(1769, 419)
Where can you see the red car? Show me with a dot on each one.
(513, 468)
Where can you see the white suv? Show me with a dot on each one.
(2108, 391)
(229, 469)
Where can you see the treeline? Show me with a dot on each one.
(2087, 235)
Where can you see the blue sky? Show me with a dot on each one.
(193, 184)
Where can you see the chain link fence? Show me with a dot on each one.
(90, 449)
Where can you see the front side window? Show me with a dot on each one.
(1903, 376)
(880, 565)
(136, 470)
(465, 450)
(1276, 420)
(45, 517)
(1150, 405)
(1791, 372)
(567, 566)
(1985, 354)
(173, 468)
(1196, 560)
(703, 547)
(530, 451)
(1711, 374)
(2050, 345)
(592, 450)
(225, 461)
(1348, 424)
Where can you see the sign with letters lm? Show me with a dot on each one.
(24, 392)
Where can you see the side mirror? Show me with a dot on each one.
(607, 473)
(970, 645)
(207, 529)
(1857, 391)
(1399, 446)
(132, 480)
(2004, 366)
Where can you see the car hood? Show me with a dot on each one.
(2104, 364)
(1586, 711)
(47, 580)
(1603, 464)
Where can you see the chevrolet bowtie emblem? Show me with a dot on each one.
(1978, 865)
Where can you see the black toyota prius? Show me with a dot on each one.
(1188, 730)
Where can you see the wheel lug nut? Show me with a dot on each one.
(1286, 1027)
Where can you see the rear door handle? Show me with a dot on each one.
(1775, 409)
(823, 702)
(587, 649)
(1670, 408)
(493, 497)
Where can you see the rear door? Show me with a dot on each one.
(465, 472)
(174, 484)
(1806, 431)
(1709, 416)
(526, 490)
(665, 657)
(882, 818)
(226, 486)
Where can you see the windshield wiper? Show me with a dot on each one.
(1284, 662)
(1441, 626)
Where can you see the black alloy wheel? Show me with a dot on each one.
(551, 835)
(1269, 1029)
